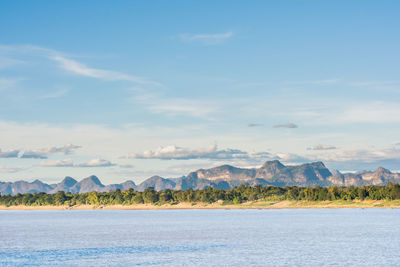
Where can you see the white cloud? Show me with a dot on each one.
(174, 152)
(142, 137)
(66, 149)
(9, 154)
(290, 158)
(33, 155)
(208, 39)
(58, 163)
(124, 138)
(235, 157)
(285, 125)
(96, 163)
(180, 153)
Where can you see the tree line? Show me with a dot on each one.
(235, 195)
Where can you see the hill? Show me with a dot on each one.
(224, 177)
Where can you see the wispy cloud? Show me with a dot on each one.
(78, 68)
(321, 82)
(374, 83)
(339, 113)
(349, 159)
(126, 166)
(208, 39)
(367, 112)
(7, 169)
(181, 107)
(375, 112)
(70, 163)
(44, 152)
(6, 62)
(361, 155)
(321, 147)
(66, 62)
(314, 82)
(286, 125)
(6, 83)
(177, 106)
(253, 124)
(55, 94)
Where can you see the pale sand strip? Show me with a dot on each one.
(218, 205)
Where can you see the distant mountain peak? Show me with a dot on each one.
(94, 179)
(221, 167)
(155, 177)
(273, 163)
(382, 170)
(68, 181)
(129, 182)
(317, 164)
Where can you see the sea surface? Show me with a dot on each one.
(312, 237)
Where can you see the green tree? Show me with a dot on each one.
(92, 198)
(60, 198)
(150, 195)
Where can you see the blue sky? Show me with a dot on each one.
(130, 89)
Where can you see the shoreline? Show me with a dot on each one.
(286, 204)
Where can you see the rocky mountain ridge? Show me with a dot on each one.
(224, 177)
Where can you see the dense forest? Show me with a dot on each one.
(236, 195)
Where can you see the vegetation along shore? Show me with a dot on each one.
(240, 197)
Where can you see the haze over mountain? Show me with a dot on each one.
(224, 177)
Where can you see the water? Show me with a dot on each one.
(340, 237)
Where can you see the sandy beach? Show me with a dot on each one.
(219, 205)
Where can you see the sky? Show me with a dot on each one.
(131, 89)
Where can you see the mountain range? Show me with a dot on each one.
(223, 177)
